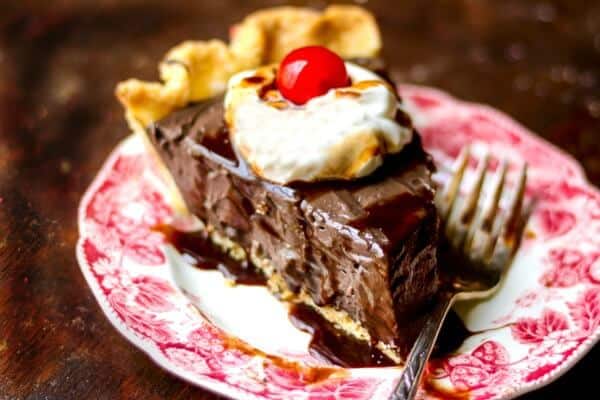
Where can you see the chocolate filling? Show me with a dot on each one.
(367, 247)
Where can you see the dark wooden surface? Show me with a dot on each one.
(59, 61)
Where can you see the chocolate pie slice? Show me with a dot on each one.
(336, 213)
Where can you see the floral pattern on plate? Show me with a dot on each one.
(543, 319)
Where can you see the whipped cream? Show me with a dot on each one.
(343, 134)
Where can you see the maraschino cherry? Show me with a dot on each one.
(309, 72)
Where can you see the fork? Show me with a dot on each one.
(482, 239)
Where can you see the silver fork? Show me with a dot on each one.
(484, 240)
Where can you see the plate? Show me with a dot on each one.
(237, 341)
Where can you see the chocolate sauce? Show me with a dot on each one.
(452, 335)
(220, 144)
(328, 343)
(332, 345)
(201, 251)
(453, 332)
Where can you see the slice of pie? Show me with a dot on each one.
(328, 194)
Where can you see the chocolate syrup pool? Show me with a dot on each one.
(199, 251)
(327, 342)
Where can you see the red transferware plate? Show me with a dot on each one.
(543, 319)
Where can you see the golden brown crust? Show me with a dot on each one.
(195, 70)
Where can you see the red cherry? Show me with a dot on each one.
(309, 72)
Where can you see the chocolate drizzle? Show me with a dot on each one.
(333, 345)
(452, 335)
(327, 343)
(198, 250)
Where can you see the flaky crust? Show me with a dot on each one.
(196, 70)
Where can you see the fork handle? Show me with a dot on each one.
(407, 387)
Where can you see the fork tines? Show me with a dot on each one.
(475, 224)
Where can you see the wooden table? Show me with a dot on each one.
(538, 61)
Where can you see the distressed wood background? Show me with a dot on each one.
(539, 61)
